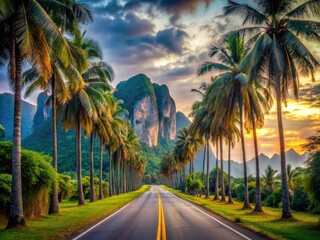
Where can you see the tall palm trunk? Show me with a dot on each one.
(286, 213)
(113, 174)
(246, 204)
(216, 186)
(92, 194)
(54, 203)
(223, 195)
(208, 167)
(16, 217)
(204, 159)
(110, 173)
(100, 176)
(124, 175)
(184, 179)
(79, 165)
(118, 173)
(229, 173)
(258, 204)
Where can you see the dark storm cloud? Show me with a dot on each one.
(173, 9)
(172, 39)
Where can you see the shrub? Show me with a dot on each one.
(65, 187)
(194, 185)
(86, 188)
(37, 176)
(274, 199)
(300, 201)
(5, 189)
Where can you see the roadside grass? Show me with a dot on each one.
(71, 220)
(304, 226)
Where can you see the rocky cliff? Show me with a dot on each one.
(166, 112)
(152, 111)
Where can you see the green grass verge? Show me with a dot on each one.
(72, 218)
(304, 226)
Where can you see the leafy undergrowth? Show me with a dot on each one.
(304, 226)
(72, 218)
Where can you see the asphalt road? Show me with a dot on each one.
(183, 220)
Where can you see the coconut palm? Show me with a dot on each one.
(201, 126)
(259, 99)
(278, 29)
(292, 173)
(270, 179)
(25, 29)
(86, 102)
(119, 127)
(187, 145)
(228, 92)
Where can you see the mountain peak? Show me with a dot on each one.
(292, 151)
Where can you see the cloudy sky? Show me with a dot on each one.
(167, 40)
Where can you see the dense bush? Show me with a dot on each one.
(194, 185)
(274, 199)
(37, 176)
(5, 189)
(86, 188)
(300, 201)
(65, 187)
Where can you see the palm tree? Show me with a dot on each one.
(201, 125)
(83, 109)
(187, 145)
(228, 92)
(259, 98)
(292, 173)
(60, 94)
(25, 28)
(280, 52)
(270, 179)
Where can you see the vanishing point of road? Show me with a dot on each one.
(160, 215)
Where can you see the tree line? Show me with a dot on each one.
(253, 66)
(69, 67)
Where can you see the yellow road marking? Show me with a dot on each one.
(161, 234)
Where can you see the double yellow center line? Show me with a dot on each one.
(161, 235)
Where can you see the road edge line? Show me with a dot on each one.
(103, 220)
(218, 221)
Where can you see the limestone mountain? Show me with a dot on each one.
(152, 111)
(6, 115)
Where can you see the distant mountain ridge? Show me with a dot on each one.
(6, 115)
(292, 157)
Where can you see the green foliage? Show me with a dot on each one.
(5, 189)
(147, 179)
(193, 184)
(274, 199)
(65, 187)
(37, 176)
(40, 141)
(300, 200)
(312, 183)
(154, 178)
(139, 86)
(154, 154)
(86, 188)
(212, 179)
